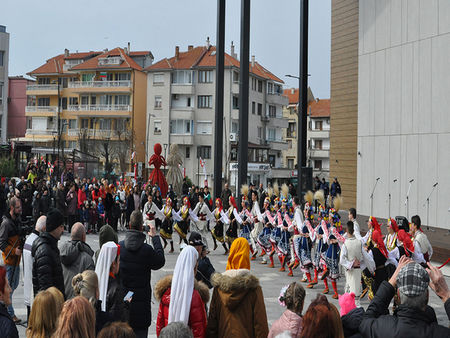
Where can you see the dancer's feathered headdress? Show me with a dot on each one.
(337, 202)
(276, 189)
(320, 196)
(309, 197)
(244, 191)
(269, 192)
(285, 190)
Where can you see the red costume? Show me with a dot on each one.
(157, 175)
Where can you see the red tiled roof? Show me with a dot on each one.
(204, 57)
(52, 66)
(93, 63)
(292, 94)
(319, 108)
(82, 55)
(140, 53)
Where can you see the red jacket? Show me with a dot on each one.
(197, 316)
(81, 197)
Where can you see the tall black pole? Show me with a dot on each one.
(243, 94)
(220, 63)
(302, 94)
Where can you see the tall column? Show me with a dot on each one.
(302, 95)
(243, 94)
(218, 126)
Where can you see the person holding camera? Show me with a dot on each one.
(10, 244)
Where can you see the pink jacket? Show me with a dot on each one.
(289, 321)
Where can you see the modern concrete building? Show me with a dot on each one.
(99, 99)
(180, 109)
(17, 102)
(390, 74)
(4, 59)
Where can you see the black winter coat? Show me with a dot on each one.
(7, 327)
(47, 268)
(351, 321)
(204, 271)
(406, 321)
(117, 309)
(137, 259)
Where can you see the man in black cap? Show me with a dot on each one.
(47, 268)
(205, 269)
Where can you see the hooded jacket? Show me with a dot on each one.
(289, 321)
(76, 257)
(137, 259)
(106, 234)
(351, 321)
(237, 307)
(406, 321)
(197, 316)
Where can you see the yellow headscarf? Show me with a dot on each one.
(239, 257)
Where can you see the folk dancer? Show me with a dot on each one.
(232, 232)
(275, 236)
(354, 258)
(284, 223)
(304, 244)
(220, 218)
(334, 249)
(257, 223)
(321, 235)
(264, 237)
(247, 221)
(166, 226)
(420, 239)
(203, 213)
(182, 226)
(390, 241)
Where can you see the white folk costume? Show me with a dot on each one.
(421, 240)
(166, 226)
(184, 218)
(257, 226)
(150, 212)
(233, 215)
(220, 220)
(203, 214)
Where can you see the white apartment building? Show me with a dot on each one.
(180, 109)
(4, 58)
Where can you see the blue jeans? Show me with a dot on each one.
(13, 274)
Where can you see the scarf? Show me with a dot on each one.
(239, 257)
(108, 254)
(182, 286)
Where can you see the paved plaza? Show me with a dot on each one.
(271, 281)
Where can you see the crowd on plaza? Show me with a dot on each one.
(71, 290)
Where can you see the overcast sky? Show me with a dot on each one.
(42, 29)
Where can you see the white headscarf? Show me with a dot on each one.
(182, 286)
(106, 257)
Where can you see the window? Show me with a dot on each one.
(260, 86)
(1, 57)
(87, 77)
(318, 164)
(204, 152)
(93, 100)
(188, 152)
(43, 80)
(318, 125)
(234, 127)
(121, 125)
(43, 101)
(188, 102)
(73, 101)
(84, 123)
(105, 124)
(106, 100)
(260, 132)
(235, 77)
(31, 100)
(123, 76)
(270, 88)
(157, 127)
(158, 79)
(290, 163)
(204, 127)
(181, 127)
(204, 101)
(72, 124)
(122, 100)
(1, 92)
(72, 144)
(253, 83)
(291, 129)
(271, 133)
(253, 107)
(272, 111)
(272, 160)
(278, 89)
(182, 77)
(318, 144)
(205, 76)
(158, 102)
(259, 109)
(84, 100)
(51, 123)
(235, 102)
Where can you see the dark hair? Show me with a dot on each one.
(294, 297)
(350, 227)
(416, 221)
(296, 200)
(2, 278)
(352, 211)
(116, 330)
(255, 193)
(136, 220)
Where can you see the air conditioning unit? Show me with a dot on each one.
(233, 137)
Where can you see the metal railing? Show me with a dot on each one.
(41, 131)
(41, 109)
(99, 107)
(93, 132)
(42, 87)
(100, 84)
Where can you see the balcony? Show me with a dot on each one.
(186, 139)
(103, 110)
(320, 134)
(46, 132)
(276, 121)
(93, 133)
(42, 89)
(42, 111)
(278, 99)
(100, 86)
(182, 88)
(319, 153)
(277, 144)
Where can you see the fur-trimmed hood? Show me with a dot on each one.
(164, 283)
(233, 286)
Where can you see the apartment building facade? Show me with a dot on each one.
(4, 59)
(180, 109)
(99, 99)
(17, 102)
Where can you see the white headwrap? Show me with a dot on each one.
(106, 257)
(182, 286)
